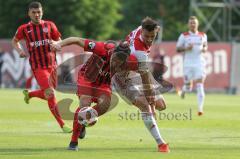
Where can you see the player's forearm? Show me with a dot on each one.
(204, 49)
(72, 40)
(17, 45)
(181, 49)
(146, 80)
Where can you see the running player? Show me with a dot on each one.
(193, 44)
(38, 34)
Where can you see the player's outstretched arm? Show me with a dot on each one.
(72, 40)
(56, 46)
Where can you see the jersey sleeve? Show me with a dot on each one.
(205, 41)
(19, 35)
(180, 42)
(55, 34)
(95, 47)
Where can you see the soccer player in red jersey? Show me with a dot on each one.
(94, 78)
(141, 40)
(88, 90)
(38, 35)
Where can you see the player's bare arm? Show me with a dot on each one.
(16, 44)
(205, 47)
(183, 49)
(68, 41)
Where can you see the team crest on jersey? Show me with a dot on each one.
(45, 29)
(91, 45)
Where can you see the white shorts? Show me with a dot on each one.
(194, 73)
(131, 88)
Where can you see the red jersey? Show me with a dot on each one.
(37, 38)
(97, 68)
(136, 42)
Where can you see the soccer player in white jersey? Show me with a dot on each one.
(136, 85)
(193, 44)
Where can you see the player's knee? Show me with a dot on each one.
(161, 104)
(49, 93)
(85, 101)
(142, 104)
(104, 102)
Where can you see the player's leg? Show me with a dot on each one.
(160, 103)
(47, 81)
(103, 96)
(200, 78)
(103, 104)
(84, 101)
(135, 96)
(188, 83)
(85, 95)
(150, 122)
(30, 94)
(37, 93)
(76, 132)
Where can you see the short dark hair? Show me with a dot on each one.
(122, 50)
(149, 24)
(34, 5)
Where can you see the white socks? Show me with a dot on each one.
(152, 127)
(200, 96)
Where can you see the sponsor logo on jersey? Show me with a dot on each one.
(40, 43)
(45, 29)
(91, 45)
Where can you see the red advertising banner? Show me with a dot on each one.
(15, 70)
(218, 62)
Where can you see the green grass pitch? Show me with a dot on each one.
(29, 131)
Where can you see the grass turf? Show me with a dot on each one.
(30, 131)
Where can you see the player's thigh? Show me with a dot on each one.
(84, 87)
(103, 91)
(199, 74)
(188, 74)
(42, 78)
(85, 101)
(104, 103)
(142, 104)
(52, 77)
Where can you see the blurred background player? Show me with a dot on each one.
(38, 34)
(193, 44)
(1, 63)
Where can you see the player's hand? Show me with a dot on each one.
(22, 54)
(55, 46)
(151, 100)
(190, 46)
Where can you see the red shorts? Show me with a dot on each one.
(91, 89)
(46, 78)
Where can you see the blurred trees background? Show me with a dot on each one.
(99, 19)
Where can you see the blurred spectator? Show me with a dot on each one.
(1, 63)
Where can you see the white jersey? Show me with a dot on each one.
(193, 57)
